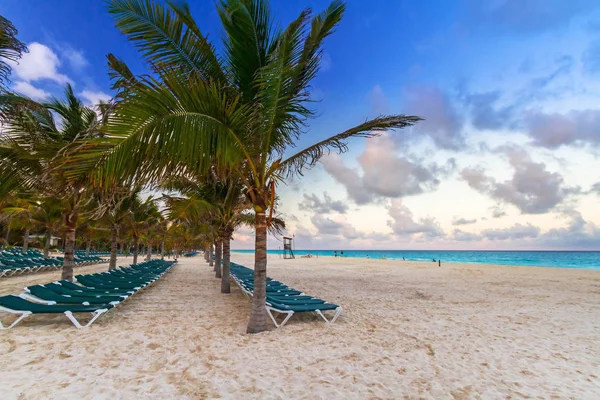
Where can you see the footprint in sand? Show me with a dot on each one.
(153, 346)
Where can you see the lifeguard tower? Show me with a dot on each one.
(288, 252)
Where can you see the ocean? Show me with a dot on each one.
(556, 259)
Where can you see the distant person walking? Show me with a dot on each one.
(335, 253)
(439, 263)
(342, 253)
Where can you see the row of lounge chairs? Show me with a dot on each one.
(14, 262)
(281, 299)
(93, 293)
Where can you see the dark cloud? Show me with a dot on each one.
(578, 234)
(385, 174)
(486, 113)
(595, 188)
(463, 236)
(532, 189)
(463, 221)
(498, 212)
(327, 226)
(517, 231)
(554, 130)
(531, 16)
(403, 223)
(591, 58)
(325, 206)
(349, 177)
(443, 123)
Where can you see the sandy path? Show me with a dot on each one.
(408, 329)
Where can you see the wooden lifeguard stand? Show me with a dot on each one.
(288, 252)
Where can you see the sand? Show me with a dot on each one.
(409, 330)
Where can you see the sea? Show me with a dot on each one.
(555, 259)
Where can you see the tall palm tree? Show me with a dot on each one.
(11, 48)
(38, 139)
(241, 109)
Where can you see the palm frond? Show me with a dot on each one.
(249, 36)
(165, 39)
(309, 156)
(11, 48)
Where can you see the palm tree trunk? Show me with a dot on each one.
(225, 284)
(162, 250)
(149, 250)
(218, 256)
(88, 245)
(25, 241)
(136, 248)
(69, 260)
(210, 256)
(47, 245)
(7, 236)
(113, 248)
(258, 315)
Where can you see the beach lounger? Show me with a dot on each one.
(274, 309)
(40, 294)
(18, 306)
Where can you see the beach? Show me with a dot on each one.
(408, 330)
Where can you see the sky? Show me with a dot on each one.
(508, 154)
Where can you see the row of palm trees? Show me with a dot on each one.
(215, 125)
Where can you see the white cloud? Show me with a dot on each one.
(40, 63)
(76, 58)
(27, 89)
(93, 98)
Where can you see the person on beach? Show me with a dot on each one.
(403, 259)
(439, 263)
(367, 256)
(342, 253)
(335, 253)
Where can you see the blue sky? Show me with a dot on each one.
(506, 159)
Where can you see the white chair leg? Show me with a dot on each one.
(95, 315)
(21, 317)
(338, 312)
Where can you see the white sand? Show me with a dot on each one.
(408, 330)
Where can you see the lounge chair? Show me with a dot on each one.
(23, 308)
(280, 308)
(40, 294)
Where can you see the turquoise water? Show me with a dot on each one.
(557, 259)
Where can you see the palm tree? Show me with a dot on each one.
(21, 214)
(50, 217)
(11, 48)
(38, 139)
(240, 110)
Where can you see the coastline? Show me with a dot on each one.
(300, 254)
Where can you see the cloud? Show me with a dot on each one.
(27, 89)
(349, 177)
(578, 234)
(517, 231)
(75, 58)
(595, 188)
(93, 98)
(463, 221)
(484, 112)
(498, 212)
(532, 16)
(385, 174)
(325, 206)
(403, 223)
(442, 121)
(327, 226)
(532, 189)
(591, 58)
(555, 130)
(562, 66)
(463, 236)
(40, 63)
